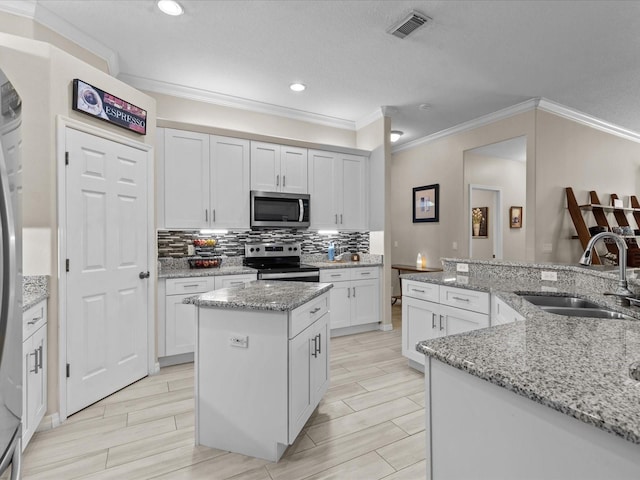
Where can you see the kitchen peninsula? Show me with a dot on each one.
(551, 396)
(261, 364)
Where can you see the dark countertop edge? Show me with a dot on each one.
(277, 307)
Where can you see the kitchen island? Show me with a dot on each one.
(261, 364)
(547, 397)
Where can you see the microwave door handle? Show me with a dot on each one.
(301, 210)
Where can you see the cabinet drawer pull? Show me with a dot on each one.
(365, 273)
(40, 355)
(35, 361)
(433, 320)
(194, 285)
(461, 299)
(340, 219)
(206, 215)
(336, 275)
(34, 320)
(416, 290)
(277, 180)
(237, 282)
(284, 180)
(336, 218)
(354, 292)
(315, 346)
(320, 343)
(441, 327)
(348, 292)
(315, 310)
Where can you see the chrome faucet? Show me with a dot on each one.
(622, 292)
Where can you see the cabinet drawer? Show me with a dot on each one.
(364, 273)
(33, 319)
(303, 316)
(335, 275)
(421, 290)
(224, 281)
(181, 286)
(465, 299)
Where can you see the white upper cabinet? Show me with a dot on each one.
(229, 160)
(278, 168)
(337, 188)
(204, 180)
(186, 179)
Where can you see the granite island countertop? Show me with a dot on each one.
(578, 366)
(345, 264)
(35, 288)
(261, 295)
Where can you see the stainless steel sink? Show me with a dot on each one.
(557, 301)
(586, 312)
(572, 306)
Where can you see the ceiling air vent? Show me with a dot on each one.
(408, 24)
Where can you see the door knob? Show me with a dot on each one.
(144, 275)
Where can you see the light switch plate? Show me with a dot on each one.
(241, 341)
(462, 267)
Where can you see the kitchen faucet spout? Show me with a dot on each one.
(622, 292)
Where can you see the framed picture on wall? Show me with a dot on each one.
(426, 203)
(480, 222)
(515, 217)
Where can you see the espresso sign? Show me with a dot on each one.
(100, 104)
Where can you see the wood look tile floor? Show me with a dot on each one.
(369, 425)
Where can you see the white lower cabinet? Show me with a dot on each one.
(501, 313)
(34, 377)
(180, 318)
(308, 373)
(432, 311)
(355, 296)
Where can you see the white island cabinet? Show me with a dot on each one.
(262, 365)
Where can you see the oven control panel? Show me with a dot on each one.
(272, 250)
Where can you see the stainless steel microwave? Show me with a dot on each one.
(279, 210)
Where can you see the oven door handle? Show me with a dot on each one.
(285, 275)
(301, 210)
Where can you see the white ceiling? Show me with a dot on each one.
(474, 58)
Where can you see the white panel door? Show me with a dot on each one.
(180, 321)
(229, 163)
(293, 169)
(186, 179)
(340, 301)
(106, 211)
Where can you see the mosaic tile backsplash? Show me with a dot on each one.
(173, 243)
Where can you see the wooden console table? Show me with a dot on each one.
(412, 269)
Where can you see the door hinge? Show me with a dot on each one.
(67, 265)
(66, 158)
(68, 369)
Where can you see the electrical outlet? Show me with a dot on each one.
(454, 246)
(547, 247)
(241, 341)
(462, 267)
(462, 279)
(395, 243)
(550, 276)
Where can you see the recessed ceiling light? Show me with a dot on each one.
(297, 87)
(170, 7)
(395, 135)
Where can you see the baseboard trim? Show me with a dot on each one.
(367, 327)
(49, 422)
(175, 360)
(386, 327)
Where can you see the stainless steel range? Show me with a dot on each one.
(279, 261)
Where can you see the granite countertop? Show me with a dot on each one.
(345, 264)
(262, 295)
(576, 365)
(34, 289)
(205, 272)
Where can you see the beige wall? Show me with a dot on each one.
(200, 113)
(511, 177)
(43, 76)
(442, 162)
(569, 154)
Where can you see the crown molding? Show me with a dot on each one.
(471, 124)
(23, 8)
(34, 10)
(535, 103)
(207, 96)
(585, 119)
(367, 119)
